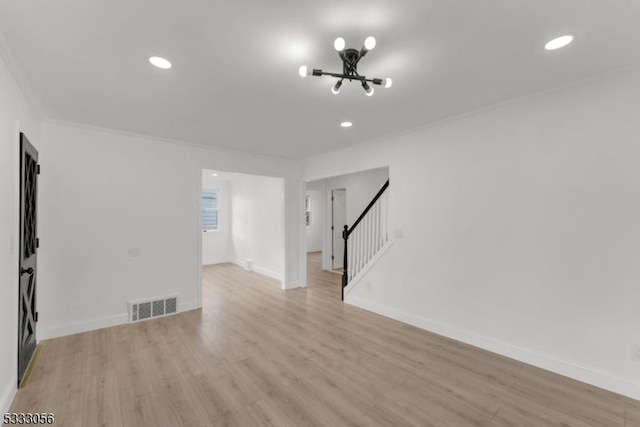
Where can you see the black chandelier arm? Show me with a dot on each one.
(345, 61)
(350, 77)
(350, 59)
(346, 67)
(351, 67)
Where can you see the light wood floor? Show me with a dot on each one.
(255, 355)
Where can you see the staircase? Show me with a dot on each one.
(366, 237)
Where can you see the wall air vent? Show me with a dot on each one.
(149, 309)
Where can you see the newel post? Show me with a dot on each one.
(345, 274)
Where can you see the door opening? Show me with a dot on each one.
(242, 222)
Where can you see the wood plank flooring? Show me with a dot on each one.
(258, 356)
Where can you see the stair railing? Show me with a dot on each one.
(365, 237)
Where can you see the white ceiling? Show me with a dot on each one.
(234, 81)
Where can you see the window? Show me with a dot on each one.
(209, 205)
(307, 210)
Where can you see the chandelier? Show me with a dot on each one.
(350, 59)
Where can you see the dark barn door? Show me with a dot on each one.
(28, 254)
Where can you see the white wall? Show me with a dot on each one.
(16, 114)
(120, 221)
(217, 246)
(521, 226)
(257, 204)
(317, 193)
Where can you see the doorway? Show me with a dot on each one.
(242, 222)
(338, 221)
(351, 194)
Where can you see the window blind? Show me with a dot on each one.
(209, 210)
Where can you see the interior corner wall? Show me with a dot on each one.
(119, 221)
(217, 246)
(16, 115)
(257, 229)
(521, 229)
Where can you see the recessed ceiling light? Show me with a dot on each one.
(558, 42)
(346, 124)
(214, 174)
(160, 62)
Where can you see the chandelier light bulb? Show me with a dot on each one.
(346, 124)
(368, 89)
(302, 71)
(387, 83)
(339, 44)
(370, 43)
(336, 88)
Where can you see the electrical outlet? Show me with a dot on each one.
(635, 352)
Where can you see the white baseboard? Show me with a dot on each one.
(188, 306)
(267, 272)
(586, 374)
(217, 261)
(93, 325)
(292, 285)
(8, 394)
(260, 270)
(79, 327)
